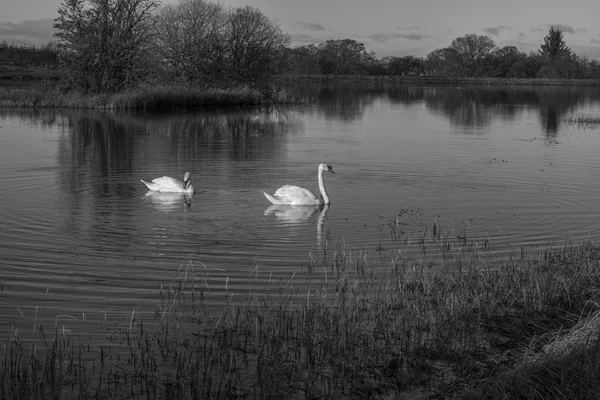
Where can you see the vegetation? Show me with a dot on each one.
(467, 56)
(149, 98)
(453, 325)
(105, 47)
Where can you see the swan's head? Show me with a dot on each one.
(187, 181)
(326, 167)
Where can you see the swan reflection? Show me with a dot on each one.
(168, 202)
(297, 214)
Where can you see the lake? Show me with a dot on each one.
(81, 236)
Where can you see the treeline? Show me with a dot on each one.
(467, 56)
(24, 55)
(111, 46)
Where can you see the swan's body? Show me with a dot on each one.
(171, 185)
(169, 201)
(297, 196)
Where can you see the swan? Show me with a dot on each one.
(297, 196)
(166, 202)
(171, 185)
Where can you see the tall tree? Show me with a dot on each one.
(470, 52)
(503, 60)
(254, 46)
(343, 56)
(554, 45)
(189, 40)
(105, 44)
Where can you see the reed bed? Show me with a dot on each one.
(147, 98)
(453, 325)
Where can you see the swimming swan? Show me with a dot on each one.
(297, 196)
(171, 185)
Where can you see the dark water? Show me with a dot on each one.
(80, 235)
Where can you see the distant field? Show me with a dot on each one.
(9, 72)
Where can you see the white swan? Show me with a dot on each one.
(171, 185)
(297, 196)
(167, 202)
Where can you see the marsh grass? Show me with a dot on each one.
(363, 326)
(147, 98)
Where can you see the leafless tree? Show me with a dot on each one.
(189, 40)
(253, 46)
(469, 53)
(104, 44)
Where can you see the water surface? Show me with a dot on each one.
(81, 235)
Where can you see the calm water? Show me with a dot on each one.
(80, 235)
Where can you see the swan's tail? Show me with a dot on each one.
(271, 198)
(149, 185)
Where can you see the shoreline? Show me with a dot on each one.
(445, 80)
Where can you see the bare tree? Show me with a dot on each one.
(470, 52)
(254, 46)
(104, 44)
(189, 39)
(343, 56)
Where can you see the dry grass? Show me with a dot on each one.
(148, 98)
(358, 328)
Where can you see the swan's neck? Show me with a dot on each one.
(322, 187)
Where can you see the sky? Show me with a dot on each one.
(387, 27)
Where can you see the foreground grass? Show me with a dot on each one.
(455, 327)
(149, 98)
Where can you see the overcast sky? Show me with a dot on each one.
(388, 27)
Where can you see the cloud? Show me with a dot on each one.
(310, 26)
(408, 28)
(411, 36)
(380, 37)
(495, 30)
(37, 33)
(594, 41)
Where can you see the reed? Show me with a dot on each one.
(147, 98)
(362, 326)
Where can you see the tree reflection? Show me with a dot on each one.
(469, 107)
(344, 101)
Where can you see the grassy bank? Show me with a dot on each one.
(150, 98)
(443, 80)
(456, 327)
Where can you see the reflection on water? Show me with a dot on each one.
(466, 106)
(168, 202)
(291, 215)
